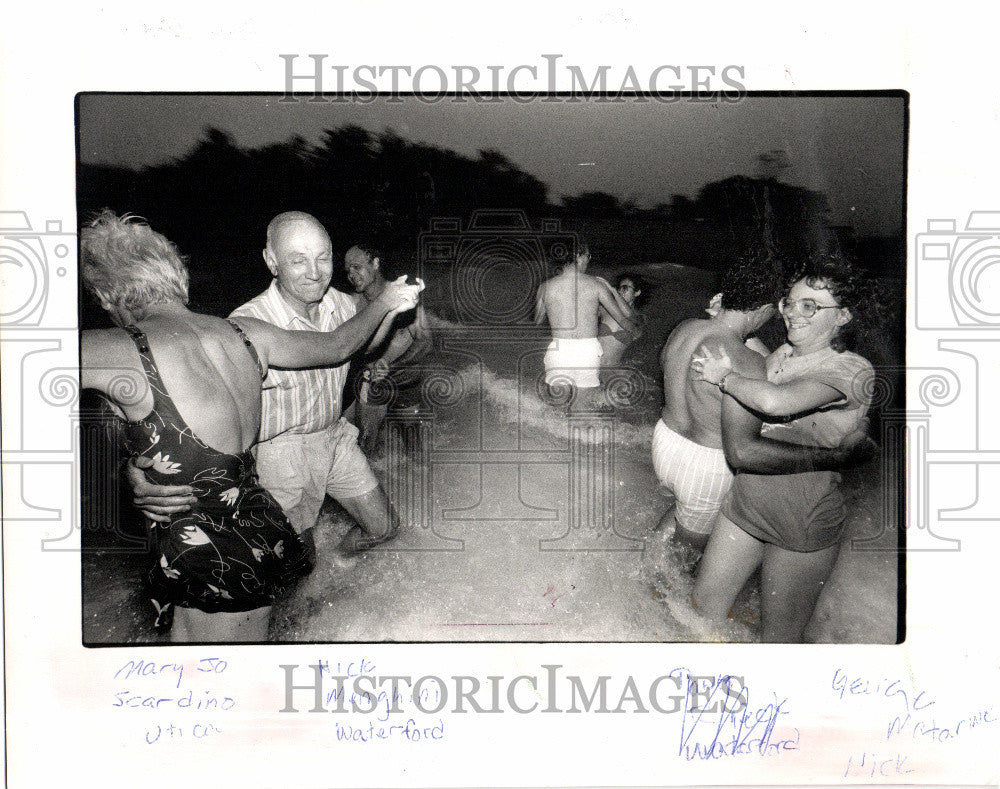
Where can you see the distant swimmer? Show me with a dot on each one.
(614, 339)
(571, 301)
(390, 368)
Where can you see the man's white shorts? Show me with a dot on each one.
(300, 469)
(698, 476)
(574, 360)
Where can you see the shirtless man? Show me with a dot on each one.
(688, 441)
(396, 359)
(571, 301)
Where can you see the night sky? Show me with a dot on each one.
(850, 147)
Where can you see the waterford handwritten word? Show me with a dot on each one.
(409, 731)
(747, 731)
(366, 693)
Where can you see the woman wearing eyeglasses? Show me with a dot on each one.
(817, 393)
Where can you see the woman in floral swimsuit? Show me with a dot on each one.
(188, 386)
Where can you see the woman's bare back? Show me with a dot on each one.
(209, 374)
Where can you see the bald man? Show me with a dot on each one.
(305, 450)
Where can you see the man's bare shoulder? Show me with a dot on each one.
(684, 340)
(688, 327)
(560, 285)
(592, 282)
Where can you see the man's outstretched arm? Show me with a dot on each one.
(298, 349)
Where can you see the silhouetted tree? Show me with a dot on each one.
(788, 222)
(593, 203)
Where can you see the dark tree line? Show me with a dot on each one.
(215, 203)
(218, 198)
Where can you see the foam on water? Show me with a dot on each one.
(497, 586)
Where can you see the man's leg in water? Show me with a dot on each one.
(376, 521)
(371, 418)
(355, 487)
(669, 538)
(699, 479)
(691, 539)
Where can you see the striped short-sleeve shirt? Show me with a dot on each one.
(300, 401)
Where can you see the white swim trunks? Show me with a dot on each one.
(574, 360)
(698, 476)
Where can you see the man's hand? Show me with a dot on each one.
(757, 346)
(857, 448)
(157, 502)
(400, 297)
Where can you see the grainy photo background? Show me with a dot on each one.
(672, 191)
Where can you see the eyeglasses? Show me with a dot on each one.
(807, 307)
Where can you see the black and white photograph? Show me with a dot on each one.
(550, 394)
(586, 368)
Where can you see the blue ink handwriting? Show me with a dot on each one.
(843, 686)
(887, 768)
(410, 732)
(730, 729)
(199, 731)
(921, 729)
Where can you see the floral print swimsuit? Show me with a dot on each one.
(234, 550)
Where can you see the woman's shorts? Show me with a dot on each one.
(797, 512)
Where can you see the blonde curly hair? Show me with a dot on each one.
(128, 265)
